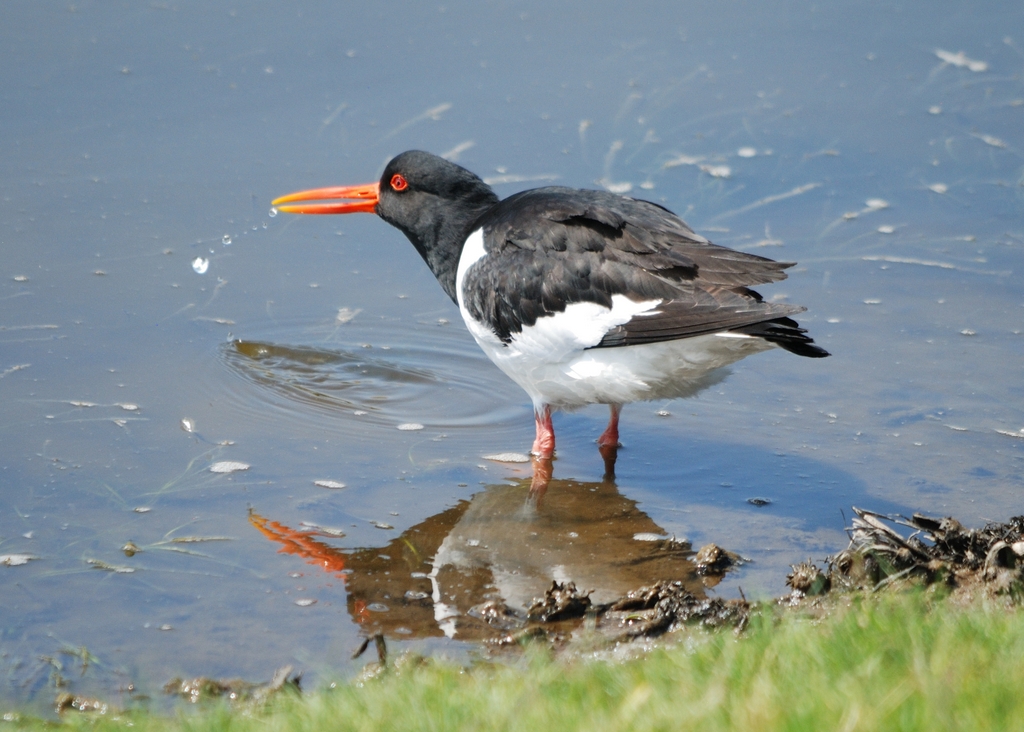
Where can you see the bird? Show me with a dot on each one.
(580, 296)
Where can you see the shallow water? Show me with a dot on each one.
(850, 138)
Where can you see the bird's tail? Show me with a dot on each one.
(785, 333)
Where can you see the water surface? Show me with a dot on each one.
(877, 144)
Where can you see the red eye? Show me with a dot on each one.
(398, 182)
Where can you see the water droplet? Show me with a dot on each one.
(273, 212)
(226, 239)
(264, 224)
(200, 265)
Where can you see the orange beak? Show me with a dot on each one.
(366, 200)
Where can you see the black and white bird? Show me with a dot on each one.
(579, 296)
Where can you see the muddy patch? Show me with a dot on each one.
(892, 550)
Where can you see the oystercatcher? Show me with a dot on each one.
(580, 296)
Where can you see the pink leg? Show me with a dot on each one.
(610, 436)
(544, 445)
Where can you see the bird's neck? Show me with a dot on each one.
(439, 240)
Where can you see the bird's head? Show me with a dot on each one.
(433, 201)
(415, 188)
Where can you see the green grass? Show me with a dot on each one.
(891, 663)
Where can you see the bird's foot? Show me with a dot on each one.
(610, 436)
(542, 452)
(606, 440)
(544, 444)
(609, 453)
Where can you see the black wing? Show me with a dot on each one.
(551, 247)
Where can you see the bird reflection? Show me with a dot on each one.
(503, 548)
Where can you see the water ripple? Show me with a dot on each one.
(435, 377)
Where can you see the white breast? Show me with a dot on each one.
(472, 251)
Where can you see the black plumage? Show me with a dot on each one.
(551, 247)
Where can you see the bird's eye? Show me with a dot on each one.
(398, 182)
